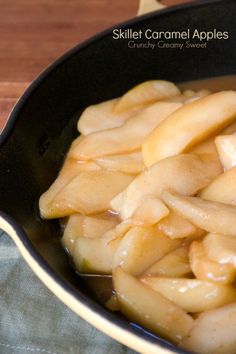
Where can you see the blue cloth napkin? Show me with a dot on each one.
(33, 320)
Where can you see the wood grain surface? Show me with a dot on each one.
(33, 33)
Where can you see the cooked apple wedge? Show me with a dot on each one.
(189, 125)
(226, 146)
(205, 147)
(222, 189)
(175, 226)
(213, 332)
(208, 146)
(149, 309)
(140, 248)
(86, 226)
(188, 96)
(128, 163)
(112, 303)
(101, 117)
(95, 255)
(205, 268)
(119, 231)
(207, 215)
(184, 173)
(150, 212)
(70, 169)
(145, 93)
(89, 192)
(200, 93)
(124, 139)
(96, 226)
(174, 264)
(192, 295)
(221, 248)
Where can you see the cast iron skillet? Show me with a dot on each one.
(43, 123)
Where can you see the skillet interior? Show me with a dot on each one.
(43, 123)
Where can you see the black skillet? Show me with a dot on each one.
(43, 123)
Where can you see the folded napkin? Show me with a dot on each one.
(33, 320)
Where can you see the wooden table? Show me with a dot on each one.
(34, 33)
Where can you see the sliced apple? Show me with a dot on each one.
(89, 192)
(150, 212)
(179, 98)
(124, 139)
(95, 255)
(200, 93)
(208, 146)
(149, 309)
(145, 93)
(221, 248)
(70, 169)
(205, 268)
(207, 215)
(188, 96)
(120, 230)
(185, 174)
(101, 117)
(213, 332)
(117, 203)
(192, 295)
(189, 125)
(86, 226)
(226, 146)
(175, 226)
(222, 189)
(174, 264)
(112, 303)
(140, 248)
(128, 163)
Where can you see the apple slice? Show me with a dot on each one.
(89, 192)
(208, 146)
(145, 93)
(149, 309)
(95, 255)
(222, 189)
(97, 226)
(210, 216)
(70, 169)
(192, 295)
(213, 332)
(150, 212)
(175, 226)
(205, 268)
(101, 117)
(226, 147)
(174, 264)
(221, 248)
(186, 174)
(140, 248)
(128, 163)
(189, 125)
(86, 226)
(112, 303)
(124, 139)
(189, 94)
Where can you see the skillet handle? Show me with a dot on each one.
(146, 6)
